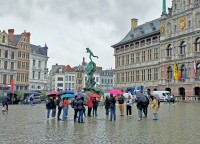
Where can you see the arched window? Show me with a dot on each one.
(198, 70)
(6, 54)
(169, 73)
(183, 47)
(169, 50)
(12, 55)
(197, 45)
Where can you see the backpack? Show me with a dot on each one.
(61, 104)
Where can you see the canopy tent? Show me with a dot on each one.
(133, 89)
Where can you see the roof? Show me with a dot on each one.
(67, 68)
(141, 31)
(99, 68)
(17, 38)
(39, 50)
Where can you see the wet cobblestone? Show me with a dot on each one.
(177, 124)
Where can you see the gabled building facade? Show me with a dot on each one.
(8, 59)
(38, 77)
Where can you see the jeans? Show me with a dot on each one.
(53, 113)
(139, 114)
(89, 111)
(75, 114)
(145, 110)
(94, 111)
(65, 112)
(112, 113)
(31, 103)
(80, 116)
(59, 112)
(128, 110)
(48, 113)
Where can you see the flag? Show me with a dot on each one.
(184, 72)
(195, 69)
(165, 72)
(175, 71)
(12, 86)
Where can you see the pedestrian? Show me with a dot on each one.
(90, 105)
(145, 106)
(74, 105)
(65, 108)
(31, 100)
(121, 105)
(49, 106)
(140, 98)
(155, 107)
(80, 110)
(60, 106)
(95, 106)
(173, 98)
(107, 105)
(168, 98)
(5, 99)
(128, 106)
(112, 108)
(53, 114)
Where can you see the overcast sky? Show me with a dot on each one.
(69, 26)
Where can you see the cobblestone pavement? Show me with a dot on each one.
(177, 124)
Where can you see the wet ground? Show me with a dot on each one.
(177, 124)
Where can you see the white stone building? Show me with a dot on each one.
(38, 77)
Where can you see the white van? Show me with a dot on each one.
(162, 94)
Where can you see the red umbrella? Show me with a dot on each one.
(53, 93)
(95, 96)
(115, 92)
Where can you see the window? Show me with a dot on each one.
(97, 79)
(169, 73)
(102, 81)
(132, 59)
(39, 64)
(5, 65)
(198, 70)
(60, 78)
(23, 65)
(19, 64)
(59, 84)
(66, 78)
(19, 54)
(169, 50)
(22, 77)
(18, 77)
(127, 76)
(155, 53)
(38, 75)
(0, 64)
(197, 45)
(23, 54)
(6, 54)
(27, 55)
(143, 75)
(70, 78)
(122, 77)
(118, 61)
(11, 77)
(132, 76)
(189, 24)
(175, 28)
(143, 56)
(183, 71)
(149, 74)
(118, 78)
(26, 77)
(12, 55)
(12, 66)
(155, 73)
(27, 66)
(122, 60)
(183, 47)
(4, 79)
(33, 74)
(127, 60)
(33, 62)
(3, 39)
(137, 57)
(137, 75)
(149, 55)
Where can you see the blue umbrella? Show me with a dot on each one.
(69, 91)
(67, 96)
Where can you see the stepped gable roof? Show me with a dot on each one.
(39, 50)
(141, 31)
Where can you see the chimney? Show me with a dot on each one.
(11, 35)
(134, 23)
(28, 34)
(84, 59)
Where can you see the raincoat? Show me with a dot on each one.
(154, 105)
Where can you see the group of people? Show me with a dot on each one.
(79, 106)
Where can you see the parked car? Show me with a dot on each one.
(162, 95)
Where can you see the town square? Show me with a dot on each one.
(100, 71)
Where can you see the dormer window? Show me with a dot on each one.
(60, 70)
(3, 39)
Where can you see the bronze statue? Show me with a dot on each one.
(91, 53)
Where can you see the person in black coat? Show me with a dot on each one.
(50, 106)
(95, 106)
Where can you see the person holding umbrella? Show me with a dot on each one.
(90, 105)
(49, 106)
(74, 105)
(58, 100)
(155, 107)
(80, 110)
(95, 106)
(112, 107)
(65, 108)
(107, 105)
